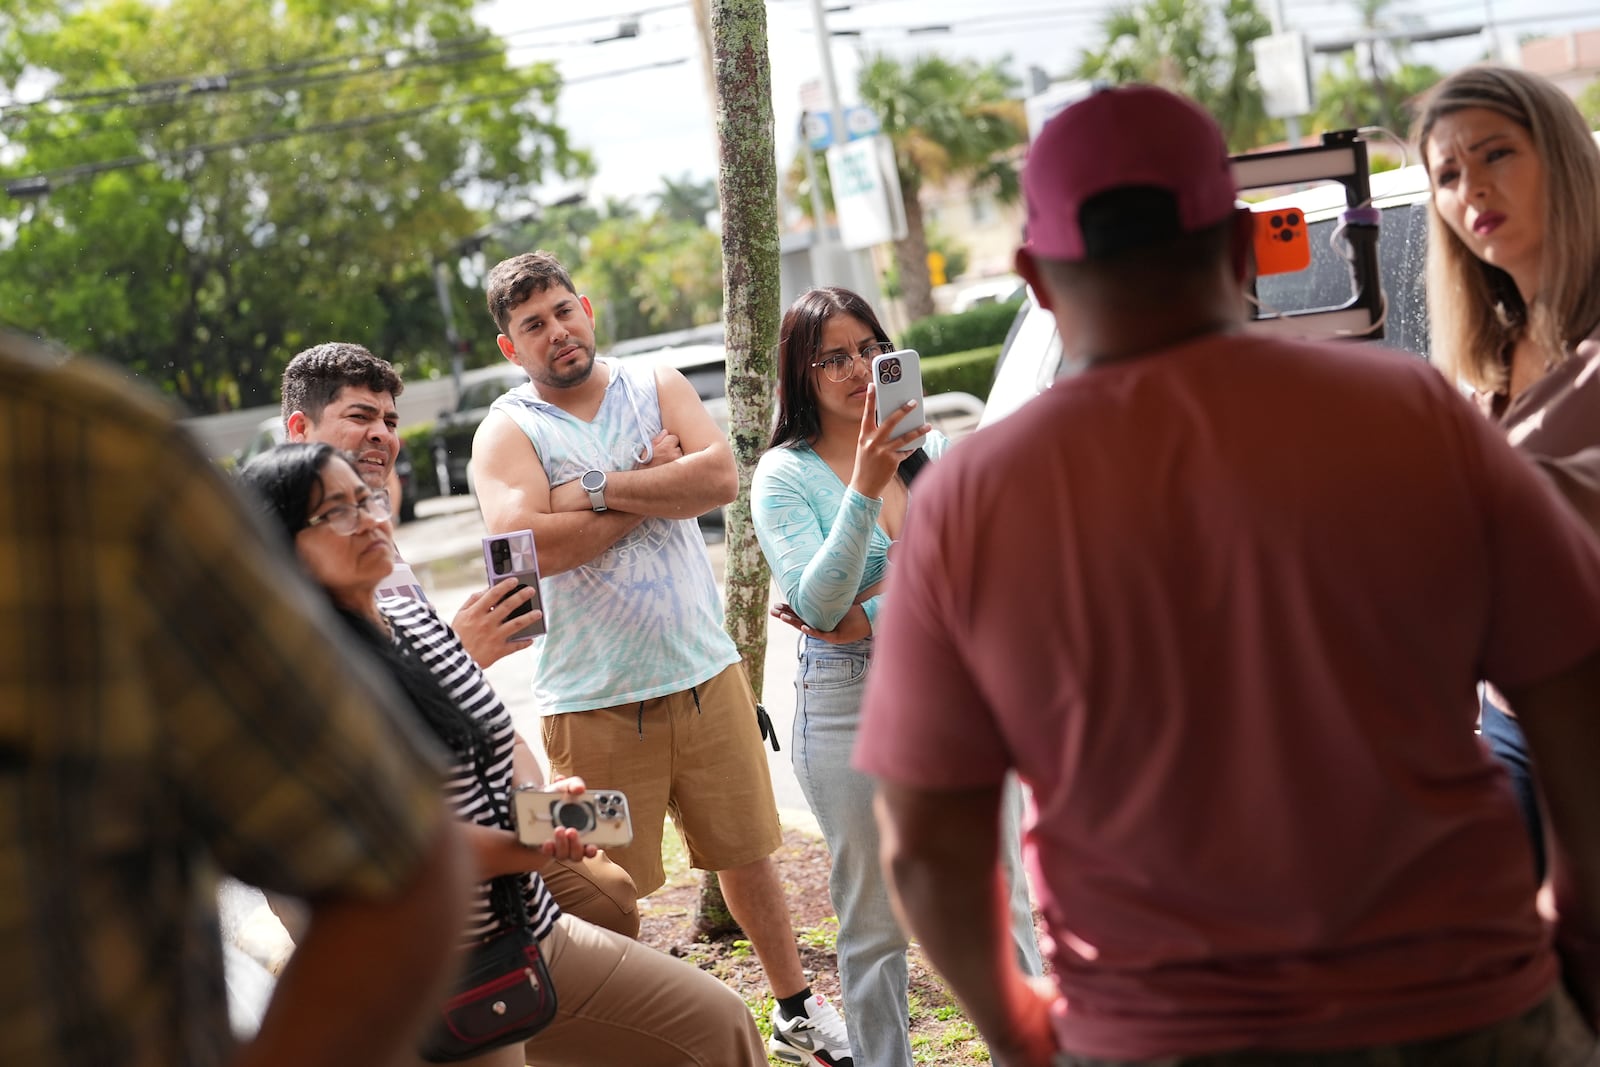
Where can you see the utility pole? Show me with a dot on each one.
(829, 261)
(452, 336)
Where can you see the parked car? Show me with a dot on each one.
(704, 364)
(453, 431)
(270, 433)
(706, 367)
(1031, 359)
(989, 291)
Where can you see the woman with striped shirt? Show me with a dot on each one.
(618, 1001)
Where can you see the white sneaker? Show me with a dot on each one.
(816, 1039)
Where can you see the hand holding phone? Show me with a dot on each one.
(897, 376)
(512, 555)
(600, 816)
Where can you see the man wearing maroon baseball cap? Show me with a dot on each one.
(1223, 600)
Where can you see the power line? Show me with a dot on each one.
(211, 82)
(292, 82)
(38, 184)
(299, 83)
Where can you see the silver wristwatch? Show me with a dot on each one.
(594, 483)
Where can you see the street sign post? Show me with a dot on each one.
(1283, 67)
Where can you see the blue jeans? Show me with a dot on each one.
(871, 946)
(1503, 735)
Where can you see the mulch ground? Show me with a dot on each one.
(940, 1034)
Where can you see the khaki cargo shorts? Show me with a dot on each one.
(695, 755)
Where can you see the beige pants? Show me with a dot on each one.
(621, 1002)
(595, 890)
(1551, 1034)
(695, 755)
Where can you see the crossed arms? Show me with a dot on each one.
(691, 472)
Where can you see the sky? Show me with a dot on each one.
(658, 122)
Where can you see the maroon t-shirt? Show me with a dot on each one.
(1225, 609)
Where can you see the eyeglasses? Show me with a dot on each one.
(344, 518)
(841, 365)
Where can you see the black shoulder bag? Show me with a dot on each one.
(503, 995)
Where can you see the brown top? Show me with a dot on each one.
(1556, 423)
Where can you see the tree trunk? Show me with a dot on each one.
(747, 182)
(911, 256)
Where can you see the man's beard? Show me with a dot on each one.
(581, 369)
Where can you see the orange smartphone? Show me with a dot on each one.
(1282, 246)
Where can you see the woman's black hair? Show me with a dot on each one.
(457, 730)
(288, 481)
(799, 344)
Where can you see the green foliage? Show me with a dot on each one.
(644, 273)
(685, 200)
(1348, 97)
(961, 372)
(1201, 50)
(202, 267)
(955, 260)
(947, 119)
(937, 335)
(648, 275)
(417, 441)
(823, 937)
(1589, 103)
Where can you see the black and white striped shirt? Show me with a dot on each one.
(446, 658)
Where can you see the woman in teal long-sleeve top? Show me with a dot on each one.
(828, 500)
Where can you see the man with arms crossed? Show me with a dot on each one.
(1234, 651)
(174, 701)
(640, 687)
(342, 395)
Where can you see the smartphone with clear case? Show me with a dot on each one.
(898, 377)
(599, 815)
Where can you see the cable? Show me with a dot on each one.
(311, 62)
(299, 83)
(1390, 135)
(295, 82)
(43, 182)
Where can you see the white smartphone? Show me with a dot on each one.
(512, 555)
(898, 376)
(599, 815)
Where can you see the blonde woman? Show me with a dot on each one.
(1514, 292)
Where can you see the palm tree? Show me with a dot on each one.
(1346, 97)
(1381, 95)
(686, 200)
(1191, 48)
(946, 119)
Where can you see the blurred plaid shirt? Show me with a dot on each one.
(172, 700)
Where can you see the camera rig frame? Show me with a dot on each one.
(1341, 157)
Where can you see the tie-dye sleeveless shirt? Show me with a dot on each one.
(642, 619)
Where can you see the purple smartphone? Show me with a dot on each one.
(512, 555)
